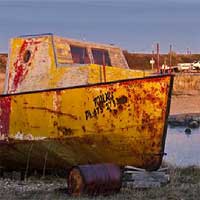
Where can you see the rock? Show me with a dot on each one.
(16, 175)
(177, 123)
(190, 120)
(188, 131)
(193, 124)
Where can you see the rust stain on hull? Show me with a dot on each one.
(51, 111)
(122, 122)
(5, 107)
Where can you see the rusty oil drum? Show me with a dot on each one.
(95, 179)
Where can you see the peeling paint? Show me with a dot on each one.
(5, 109)
(22, 136)
(20, 67)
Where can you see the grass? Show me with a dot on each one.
(184, 185)
(186, 83)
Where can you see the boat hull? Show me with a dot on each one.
(122, 122)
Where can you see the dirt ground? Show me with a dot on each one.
(2, 79)
(185, 103)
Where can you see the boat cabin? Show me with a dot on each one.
(40, 62)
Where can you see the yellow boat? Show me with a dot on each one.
(69, 102)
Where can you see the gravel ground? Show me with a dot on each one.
(51, 188)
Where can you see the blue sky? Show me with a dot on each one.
(135, 25)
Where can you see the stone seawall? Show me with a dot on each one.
(192, 120)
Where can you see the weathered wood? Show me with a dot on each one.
(140, 178)
(134, 168)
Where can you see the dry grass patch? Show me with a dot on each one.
(184, 185)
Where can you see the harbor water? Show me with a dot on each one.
(182, 149)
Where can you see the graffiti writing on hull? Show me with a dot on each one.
(102, 103)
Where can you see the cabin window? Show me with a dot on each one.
(101, 57)
(79, 55)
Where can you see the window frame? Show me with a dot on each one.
(87, 57)
(105, 51)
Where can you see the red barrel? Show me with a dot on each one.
(94, 179)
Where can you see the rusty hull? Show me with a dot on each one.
(121, 122)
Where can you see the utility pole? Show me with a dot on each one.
(152, 61)
(152, 53)
(170, 58)
(158, 57)
(188, 51)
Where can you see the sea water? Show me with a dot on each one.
(182, 149)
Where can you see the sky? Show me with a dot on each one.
(134, 25)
